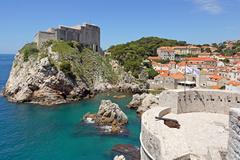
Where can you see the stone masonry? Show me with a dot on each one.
(234, 134)
(209, 126)
(86, 34)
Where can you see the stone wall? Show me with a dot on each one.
(200, 100)
(41, 37)
(151, 146)
(234, 134)
(87, 34)
(194, 100)
(163, 82)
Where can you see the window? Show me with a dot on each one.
(96, 48)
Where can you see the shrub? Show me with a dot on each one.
(151, 73)
(65, 66)
(28, 50)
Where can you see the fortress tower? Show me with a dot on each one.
(86, 34)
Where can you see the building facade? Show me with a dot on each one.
(166, 53)
(182, 50)
(174, 53)
(86, 34)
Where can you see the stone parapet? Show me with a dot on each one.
(234, 134)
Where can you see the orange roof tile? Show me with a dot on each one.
(233, 83)
(200, 59)
(215, 77)
(216, 87)
(183, 63)
(178, 76)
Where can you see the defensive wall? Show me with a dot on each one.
(203, 114)
(86, 34)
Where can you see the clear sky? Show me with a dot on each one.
(196, 21)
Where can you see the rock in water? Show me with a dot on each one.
(129, 151)
(109, 113)
(110, 116)
(137, 100)
(117, 157)
(143, 102)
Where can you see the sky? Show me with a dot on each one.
(194, 21)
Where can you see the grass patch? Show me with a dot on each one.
(64, 48)
(28, 50)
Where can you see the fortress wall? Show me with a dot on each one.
(200, 100)
(86, 35)
(234, 134)
(196, 100)
(90, 35)
(153, 147)
(42, 37)
(150, 145)
(169, 99)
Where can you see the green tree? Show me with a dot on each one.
(151, 73)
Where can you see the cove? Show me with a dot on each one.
(35, 132)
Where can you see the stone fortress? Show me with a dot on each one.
(86, 34)
(209, 126)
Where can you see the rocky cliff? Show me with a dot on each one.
(62, 72)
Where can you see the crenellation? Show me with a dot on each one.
(204, 132)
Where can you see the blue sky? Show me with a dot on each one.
(196, 21)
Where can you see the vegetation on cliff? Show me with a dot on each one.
(61, 72)
(132, 54)
(29, 49)
(74, 60)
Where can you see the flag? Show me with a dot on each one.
(192, 70)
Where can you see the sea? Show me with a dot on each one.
(34, 132)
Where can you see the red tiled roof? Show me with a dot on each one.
(233, 83)
(183, 63)
(215, 77)
(200, 59)
(216, 87)
(178, 76)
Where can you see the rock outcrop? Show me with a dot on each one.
(119, 157)
(127, 151)
(62, 72)
(143, 102)
(109, 115)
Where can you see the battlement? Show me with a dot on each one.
(205, 131)
(86, 34)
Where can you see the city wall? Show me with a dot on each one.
(42, 37)
(200, 100)
(194, 100)
(234, 134)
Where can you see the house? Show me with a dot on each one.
(233, 86)
(174, 53)
(183, 50)
(163, 81)
(166, 53)
(200, 62)
(216, 80)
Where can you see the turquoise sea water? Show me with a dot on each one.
(33, 132)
